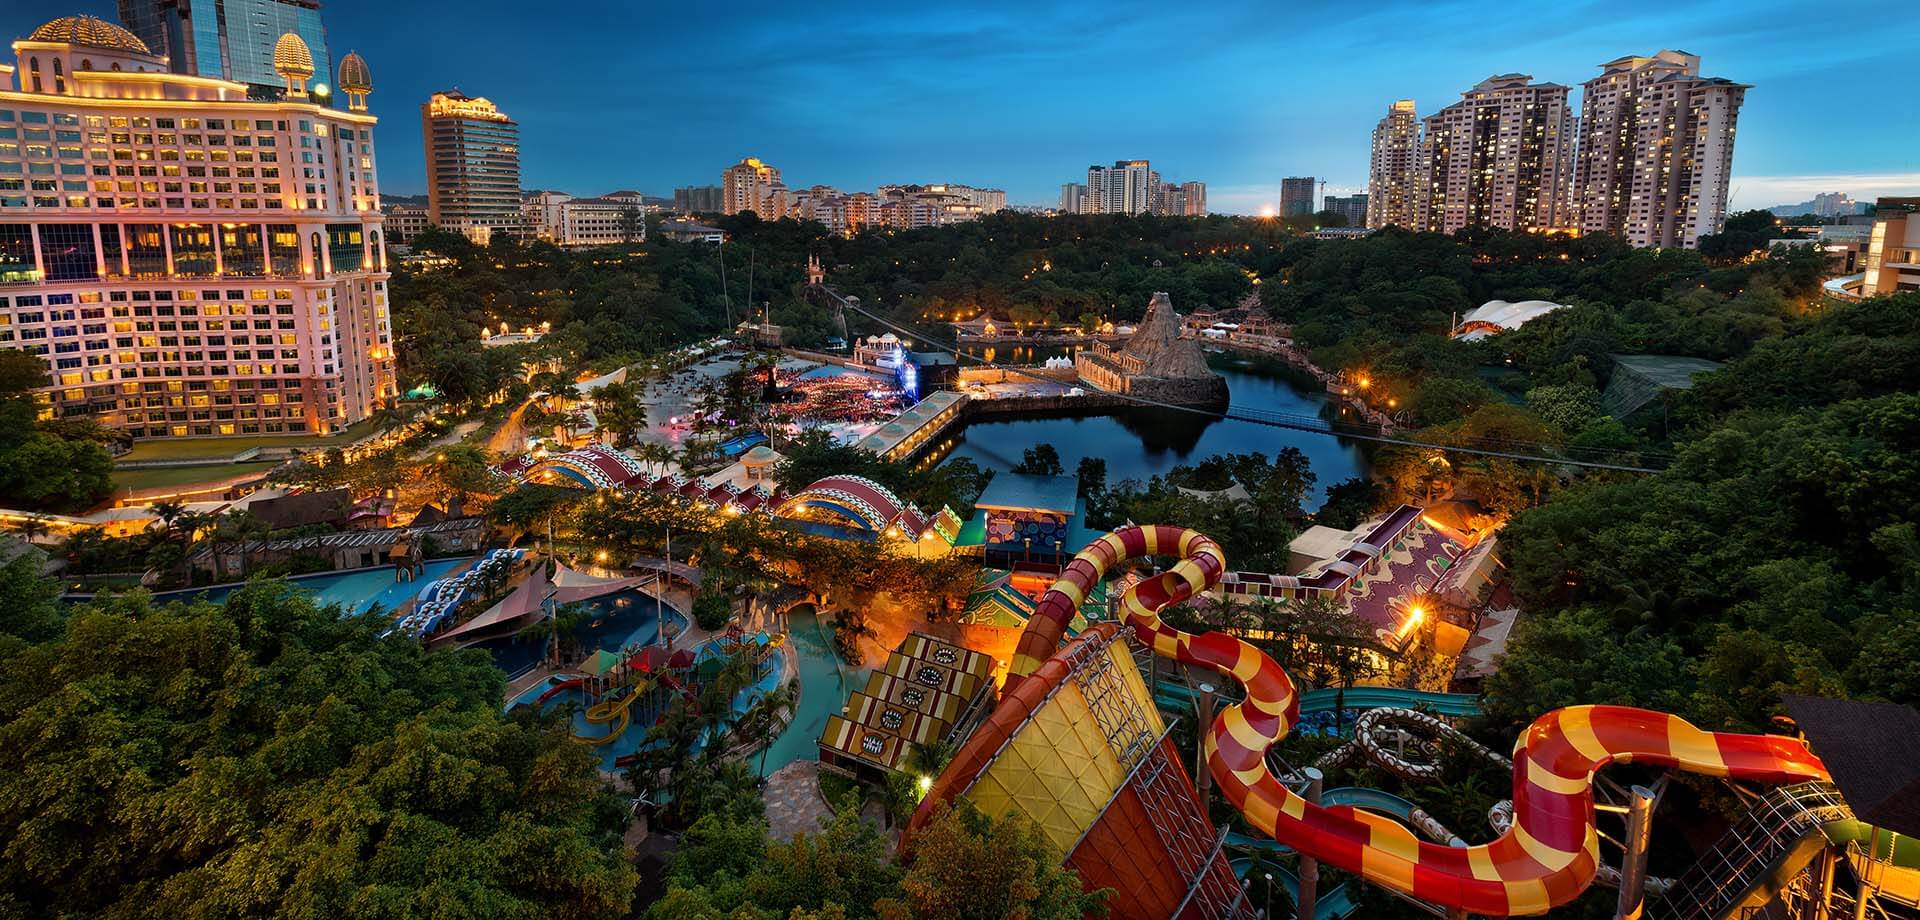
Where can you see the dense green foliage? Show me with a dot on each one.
(966, 865)
(267, 757)
(45, 463)
(1778, 553)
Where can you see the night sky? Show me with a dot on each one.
(1237, 94)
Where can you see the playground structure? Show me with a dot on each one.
(635, 687)
(1546, 856)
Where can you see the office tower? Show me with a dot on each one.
(221, 272)
(751, 185)
(1656, 145)
(1351, 208)
(1124, 188)
(1393, 176)
(473, 166)
(1500, 157)
(227, 39)
(699, 199)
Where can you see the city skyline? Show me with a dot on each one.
(823, 95)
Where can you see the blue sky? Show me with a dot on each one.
(654, 95)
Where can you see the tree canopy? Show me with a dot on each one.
(268, 756)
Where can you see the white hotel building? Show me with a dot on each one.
(189, 262)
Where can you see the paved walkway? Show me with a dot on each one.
(793, 800)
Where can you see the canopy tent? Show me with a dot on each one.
(600, 663)
(574, 585)
(565, 586)
(523, 601)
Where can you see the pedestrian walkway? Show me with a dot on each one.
(793, 801)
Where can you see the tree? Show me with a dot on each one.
(45, 463)
(769, 714)
(1043, 460)
(620, 412)
(1574, 657)
(275, 758)
(969, 866)
(1742, 235)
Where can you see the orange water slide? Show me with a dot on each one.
(1546, 859)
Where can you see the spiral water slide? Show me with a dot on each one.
(1545, 859)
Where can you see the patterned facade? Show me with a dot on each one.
(189, 261)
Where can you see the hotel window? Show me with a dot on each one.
(193, 252)
(146, 251)
(16, 253)
(345, 247)
(66, 252)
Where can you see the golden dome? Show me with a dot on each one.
(91, 31)
(354, 75)
(291, 59)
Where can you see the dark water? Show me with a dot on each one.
(1140, 443)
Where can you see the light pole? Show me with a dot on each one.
(1269, 878)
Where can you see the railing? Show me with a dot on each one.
(1753, 847)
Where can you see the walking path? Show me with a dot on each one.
(793, 801)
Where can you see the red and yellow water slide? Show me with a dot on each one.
(1546, 859)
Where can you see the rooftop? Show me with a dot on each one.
(1026, 492)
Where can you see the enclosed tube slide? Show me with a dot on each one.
(1546, 859)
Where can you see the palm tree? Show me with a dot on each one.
(390, 418)
(240, 528)
(656, 456)
(767, 716)
(192, 525)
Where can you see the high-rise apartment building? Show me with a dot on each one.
(227, 39)
(190, 262)
(473, 166)
(1180, 199)
(1296, 196)
(699, 199)
(1393, 177)
(1500, 157)
(1656, 148)
(1126, 187)
(1131, 187)
(751, 185)
(1074, 199)
(1834, 204)
(1352, 209)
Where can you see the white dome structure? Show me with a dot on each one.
(1497, 316)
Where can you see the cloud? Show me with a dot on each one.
(1752, 192)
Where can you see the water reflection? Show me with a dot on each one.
(1141, 443)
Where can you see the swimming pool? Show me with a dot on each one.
(619, 620)
(824, 685)
(356, 591)
(634, 737)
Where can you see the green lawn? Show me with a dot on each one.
(222, 448)
(170, 476)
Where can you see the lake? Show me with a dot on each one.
(1140, 443)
